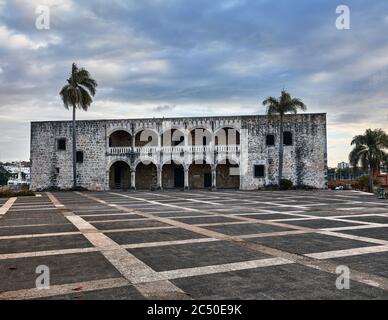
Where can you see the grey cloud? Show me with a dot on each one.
(206, 55)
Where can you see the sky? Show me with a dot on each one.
(155, 58)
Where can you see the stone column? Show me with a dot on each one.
(107, 180)
(159, 173)
(214, 177)
(186, 178)
(133, 179)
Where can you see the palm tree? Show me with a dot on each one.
(369, 150)
(280, 106)
(78, 94)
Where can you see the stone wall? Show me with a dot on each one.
(53, 168)
(304, 162)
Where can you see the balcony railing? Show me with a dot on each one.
(146, 149)
(199, 149)
(174, 149)
(228, 148)
(119, 150)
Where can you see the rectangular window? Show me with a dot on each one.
(80, 156)
(61, 144)
(270, 140)
(287, 138)
(259, 171)
(56, 170)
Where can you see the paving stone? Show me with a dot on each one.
(270, 216)
(287, 282)
(243, 229)
(310, 243)
(320, 223)
(131, 237)
(194, 255)
(180, 214)
(120, 293)
(128, 224)
(373, 219)
(21, 273)
(12, 231)
(373, 263)
(43, 243)
(376, 233)
(203, 220)
(112, 217)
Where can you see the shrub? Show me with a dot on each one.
(286, 184)
(306, 187)
(7, 193)
(363, 183)
(271, 187)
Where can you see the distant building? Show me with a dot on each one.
(343, 165)
(20, 173)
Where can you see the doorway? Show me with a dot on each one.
(207, 180)
(179, 177)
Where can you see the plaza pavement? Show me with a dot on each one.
(194, 245)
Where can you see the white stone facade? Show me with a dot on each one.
(179, 152)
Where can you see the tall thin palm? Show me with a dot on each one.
(78, 93)
(369, 151)
(280, 106)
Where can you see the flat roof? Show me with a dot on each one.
(187, 117)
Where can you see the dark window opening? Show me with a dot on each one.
(57, 170)
(259, 171)
(287, 138)
(80, 156)
(270, 140)
(61, 144)
(204, 141)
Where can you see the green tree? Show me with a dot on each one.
(4, 176)
(280, 106)
(369, 151)
(78, 93)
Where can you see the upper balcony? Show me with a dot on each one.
(172, 150)
(174, 141)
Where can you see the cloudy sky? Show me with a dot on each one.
(194, 57)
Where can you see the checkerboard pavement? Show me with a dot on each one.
(194, 245)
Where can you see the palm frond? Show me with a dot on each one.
(369, 149)
(79, 90)
(284, 104)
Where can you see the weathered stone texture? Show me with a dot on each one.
(304, 161)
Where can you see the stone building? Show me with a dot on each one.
(185, 153)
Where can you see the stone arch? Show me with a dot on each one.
(237, 128)
(113, 130)
(119, 175)
(225, 137)
(205, 138)
(173, 175)
(228, 174)
(120, 138)
(146, 174)
(224, 158)
(170, 140)
(154, 141)
(200, 175)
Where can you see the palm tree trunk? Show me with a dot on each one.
(281, 150)
(74, 151)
